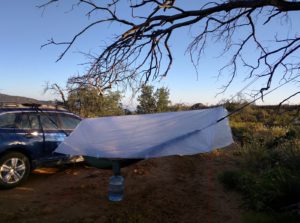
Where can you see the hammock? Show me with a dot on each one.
(150, 135)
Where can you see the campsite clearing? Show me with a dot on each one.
(170, 189)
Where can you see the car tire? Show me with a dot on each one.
(14, 169)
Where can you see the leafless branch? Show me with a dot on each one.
(143, 52)
(288, 98)
(56, 89)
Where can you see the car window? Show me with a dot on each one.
(49, 121)
(34, 121)
(68, 121)
(25, 121)
(7, 120)
(28, 120)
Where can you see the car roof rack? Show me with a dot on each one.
(31, 105)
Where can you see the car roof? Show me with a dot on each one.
(26, 107)
(32, 109)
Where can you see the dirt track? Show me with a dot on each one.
(172, 189)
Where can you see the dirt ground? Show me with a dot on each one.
(171, 189)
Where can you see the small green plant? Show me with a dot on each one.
(230, 179)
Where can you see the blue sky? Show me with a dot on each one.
(25, 67)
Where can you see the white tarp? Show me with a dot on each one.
(151, 135)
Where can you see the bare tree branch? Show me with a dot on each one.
(55, 88)
(143, 52)
(288, 98)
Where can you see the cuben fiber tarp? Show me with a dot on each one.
(150, 135)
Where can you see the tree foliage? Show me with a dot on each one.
(162, 99)
(88, 103)
(152, 102)
(146, 99)
(141, 50)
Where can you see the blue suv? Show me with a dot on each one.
(29, 135)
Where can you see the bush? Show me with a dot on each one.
(269, 217)
(269, 177)
(268, 172)
(256, 158)
(230, 179)
(273, 190)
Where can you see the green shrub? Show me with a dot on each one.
(268, 158)
(275, 189)
(230, 179)
(269, 217)
(269, 176)
(255, 156)
(290, 156)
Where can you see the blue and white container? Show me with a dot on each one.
(116, 188)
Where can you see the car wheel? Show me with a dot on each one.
(14, 169)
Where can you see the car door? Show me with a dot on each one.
(29, 133)
(53, 133)
(7, 130)
(68, 123)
